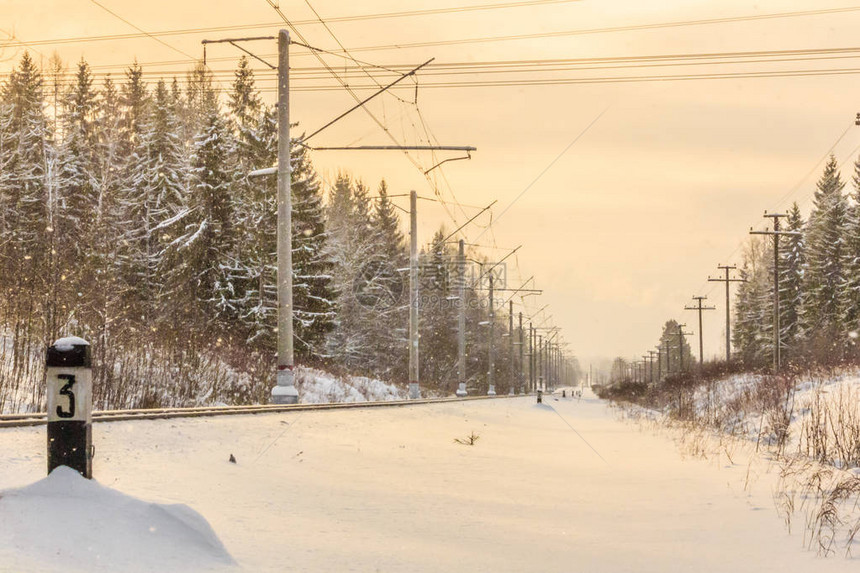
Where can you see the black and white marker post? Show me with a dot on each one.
(70, 405)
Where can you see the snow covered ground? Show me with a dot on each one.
(390, 490)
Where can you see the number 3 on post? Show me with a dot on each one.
(66, 390)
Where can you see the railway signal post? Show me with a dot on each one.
(70, 405)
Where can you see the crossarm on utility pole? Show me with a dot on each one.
(700, 308)
(775, 234)
(728, 281)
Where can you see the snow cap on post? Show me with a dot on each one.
(71, 352)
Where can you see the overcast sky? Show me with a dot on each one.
(625, 227)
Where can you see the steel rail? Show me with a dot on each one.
(40, 418)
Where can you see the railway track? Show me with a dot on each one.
(40, 418)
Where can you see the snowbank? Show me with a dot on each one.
(67, 523)
(316, 386)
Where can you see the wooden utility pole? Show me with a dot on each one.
(700, 308)
(728, 281)
(668, 358)
(681, 334)
(651, 354)
(777, 352)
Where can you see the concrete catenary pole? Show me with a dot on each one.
(532, 383)
(511, 345)
(461, 318)
(285, 391)
(522, 357)
(414, 392)
(539, 363)
(491, 391)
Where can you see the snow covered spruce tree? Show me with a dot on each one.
(792, 261)
(78, 197)
(753, 324)
(154, 200)
(25, 193)
(438, 316)
(254, 274)
(389, 283)
(669, 337)
(313, 296)
(351, 246)
(198, 259)
(825, 273)
(26, 188)
(851, 292)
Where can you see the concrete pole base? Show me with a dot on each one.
(491, 391)
(461, 391)
(285, 392)
(414, 393)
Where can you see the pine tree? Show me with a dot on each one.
(313, 297)
(24, 189)
(350, 342)
(198, 259)
(199, 101)
(134, 98)
(792, 261)
(78, 198)
(438, 316)
(389, 285)
(752, 334)
(825, 274)
(678, 355)
(155, 206)
(254, 129)
(851, 292)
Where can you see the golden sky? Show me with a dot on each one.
(625, 226)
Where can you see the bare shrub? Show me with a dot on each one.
(830, 430)
(469, 440)
(828, 498)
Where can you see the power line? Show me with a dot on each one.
(552, 65)
(402, 14)
(761, 74)
(543, 82)
(142, 31)
(549, 166)
(587, 31)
